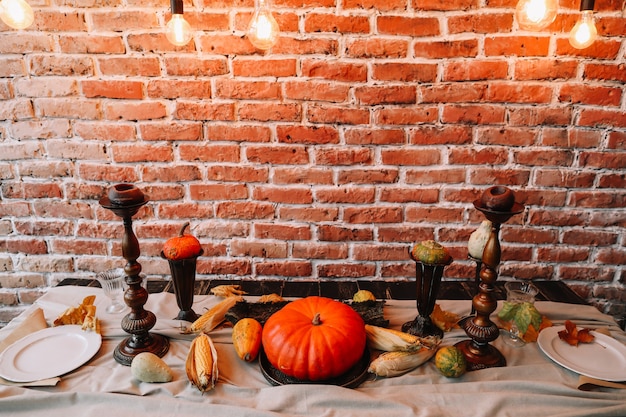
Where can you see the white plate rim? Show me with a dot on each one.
(602, 341)
(92, 340)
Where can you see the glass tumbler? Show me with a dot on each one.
(113, 283)
(518, 292)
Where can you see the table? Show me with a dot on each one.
(530, 384)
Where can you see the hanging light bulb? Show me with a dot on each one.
(178, 30)
(536, 14)
(16, 13)
(263, 30)
(584, 32)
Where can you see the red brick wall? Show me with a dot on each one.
(371, 125)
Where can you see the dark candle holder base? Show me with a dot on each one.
(125, 200)
(478, 353)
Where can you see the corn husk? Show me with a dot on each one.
(213, 317)
(390, 364)
(227, 291)
(201, 364)
(270, 298)
(390, 340)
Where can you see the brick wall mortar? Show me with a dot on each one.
(325, 158)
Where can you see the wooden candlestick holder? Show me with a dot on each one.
(478, 353)
(125, 200)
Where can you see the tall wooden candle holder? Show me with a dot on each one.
(125, 200)
(498, 206)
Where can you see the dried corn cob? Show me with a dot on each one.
(213, 317)
(201, 364)
(227, 290)
(270, 298)
(389, 364)
(389, 340)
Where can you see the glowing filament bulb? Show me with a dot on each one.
(584, 32)
(16, 13)
(536, 14)
(263, 30)
(178, 30)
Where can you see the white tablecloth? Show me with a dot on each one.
(530, 384)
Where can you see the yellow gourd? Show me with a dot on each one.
(247, 334)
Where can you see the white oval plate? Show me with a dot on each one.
(604, 358)
(48, 353)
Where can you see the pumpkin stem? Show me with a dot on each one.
(316, 320)
(182, 229)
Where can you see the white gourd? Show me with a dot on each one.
(478, 239)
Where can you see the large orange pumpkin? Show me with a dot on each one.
(314, 338)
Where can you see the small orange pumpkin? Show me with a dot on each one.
(314, 338)
(182, 246)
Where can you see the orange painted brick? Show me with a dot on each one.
(112, 89)
(350, 195)
(209, 152)
(377, 48)
(368, 176)
(517, 45)
(265, 112)
(406, 116)
(334, 70)
(431, 135)
(481, 23)
(194, 110)
(409, 195)
(194, 66)
(375, 137)
(129, 110)
(320, 250)
(130, 66)
(218, 191)
(346, 270)
(415, 26)
(245, 67)
(337, 115)
(170, 131)
(91, 44)
(65, 66)
(163, 88)
(239, 133)
(247, 90)
(370, 96)
(366, 215)
(244, 174)
(326, 22)
(307, 135)
(314, 90)
(595, 95)
(309, 214)
(478, 70)
(289, 175)
(446, 5)
(410, 156)
(277, 154)
(287, 195)
(507, 137)
(344, 156)
(474, 114)
(285, 269)
(407, 72)
(281, 231)
(382, 5)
